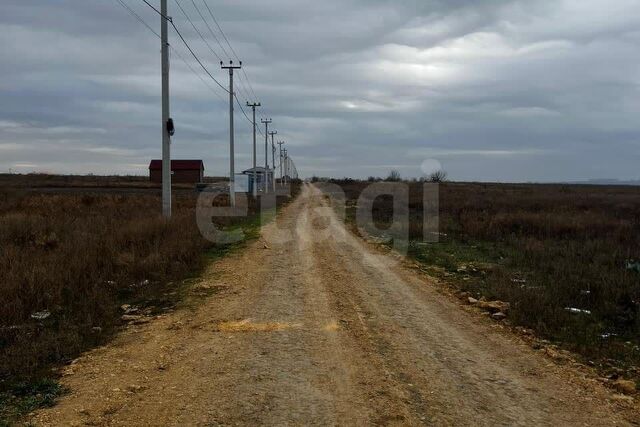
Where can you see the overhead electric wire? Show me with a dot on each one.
(255, 97)
(184, 41)
(211, 49)
(209, 27)
(198, 31)
(138, 17)
(186, 44)
(249, 82)
(174, 50)
(246, 116)
(221, 32)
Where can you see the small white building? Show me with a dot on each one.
(260, 178)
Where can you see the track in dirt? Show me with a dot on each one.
(320, 330)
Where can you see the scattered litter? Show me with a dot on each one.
(129, 309)
(434, 233)
(608, 335)
(141, 284)
(515, 280)
(585, 292)
(136, 319)
(41, 315)
(577, 310)
(499, 316)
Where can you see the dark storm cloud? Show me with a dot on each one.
(493, 90)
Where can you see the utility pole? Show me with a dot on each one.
(273, 162)
(285, 166)
(272, 133)
(166, 137)
(255, 172)
(281, 176)
(232, 172)
(266, 159)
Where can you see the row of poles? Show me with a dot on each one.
(167, 131)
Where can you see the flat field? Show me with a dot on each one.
(563, 256)
(73, 250)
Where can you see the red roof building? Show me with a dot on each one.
(182, 171)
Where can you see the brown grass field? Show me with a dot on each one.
(544, 249)
(69, 258)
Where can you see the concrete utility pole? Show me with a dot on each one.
(266, 159)
(285, 166)
(281, 176)
(273, 162)
(232, 172)
(255, 172)
(166, 137)
(272, 133)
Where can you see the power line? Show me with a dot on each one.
(211, 49)
(198, 31)
(242, 109)
(193, 53)
(249, 82)
(255, 98)
(209, 27)
(221, 32)
(156, 10)
(138, 17)
(186, 44)
(174, 50)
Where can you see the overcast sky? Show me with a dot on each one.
(499, 90)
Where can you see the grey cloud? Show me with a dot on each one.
(494, 89)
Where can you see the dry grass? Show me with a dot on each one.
(75, 257)
(544, 248)
(69, 259)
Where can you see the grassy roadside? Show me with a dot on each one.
(559, 255)
(76, 267)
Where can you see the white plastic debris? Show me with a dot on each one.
(41, 315)
(577, 310)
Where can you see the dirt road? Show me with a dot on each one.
(324, 332)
